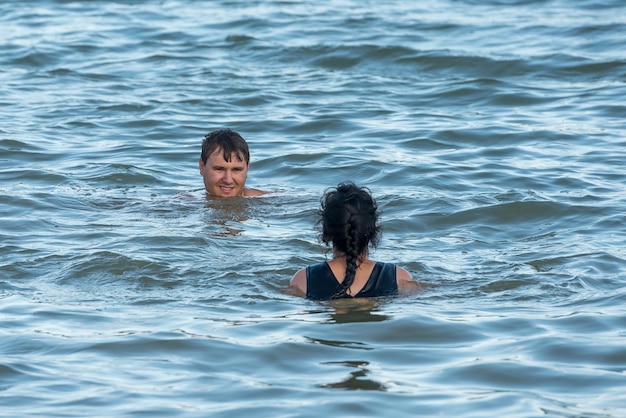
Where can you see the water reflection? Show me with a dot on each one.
(356, 310)
(224, 217)
(357, 380)
(345, 344)
(232, 216)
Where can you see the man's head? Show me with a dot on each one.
(224, 163)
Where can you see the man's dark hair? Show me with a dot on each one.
(229, 142)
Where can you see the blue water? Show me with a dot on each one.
(492, 134)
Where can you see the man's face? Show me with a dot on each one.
(223, 178)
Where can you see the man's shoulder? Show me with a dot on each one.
(253, 192)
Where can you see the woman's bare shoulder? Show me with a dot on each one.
(298, 281)
(406, 283)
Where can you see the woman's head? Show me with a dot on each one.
(349, 218)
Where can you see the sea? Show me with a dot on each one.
(492, 134)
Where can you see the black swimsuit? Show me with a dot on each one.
(322, 284)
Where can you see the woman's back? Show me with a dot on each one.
(323, 280)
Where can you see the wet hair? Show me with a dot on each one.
(229, 142)
(349, 219)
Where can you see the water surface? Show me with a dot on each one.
(491, 133)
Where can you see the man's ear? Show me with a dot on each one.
(201, 165)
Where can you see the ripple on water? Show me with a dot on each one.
(491, 134)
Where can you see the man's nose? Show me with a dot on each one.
(228, 176)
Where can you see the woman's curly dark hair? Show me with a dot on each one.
(349, 218)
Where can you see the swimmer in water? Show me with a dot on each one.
(224, 164)
(349, 218)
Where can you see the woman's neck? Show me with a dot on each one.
(338, 255)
